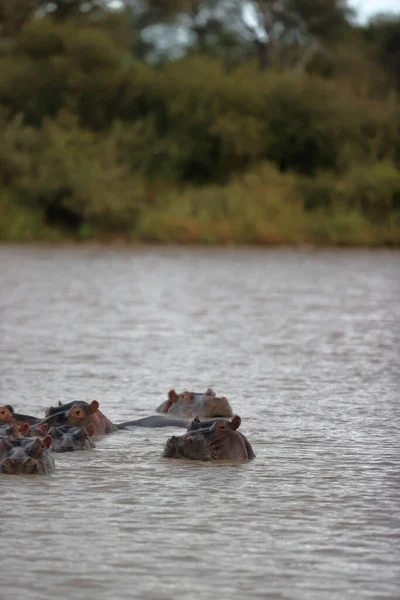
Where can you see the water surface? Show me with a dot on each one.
(306, 347)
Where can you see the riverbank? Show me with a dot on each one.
(261, 207)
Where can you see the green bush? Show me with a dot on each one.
(70, 175)
(374, 191)
(96, 144)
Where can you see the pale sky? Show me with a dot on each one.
(364, 8)
(367, 8)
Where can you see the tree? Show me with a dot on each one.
(13, 15)
(383, 33)
(282, 33)
(288, 33)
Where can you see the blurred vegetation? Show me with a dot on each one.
(218, 121)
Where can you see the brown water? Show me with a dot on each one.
(306, 347)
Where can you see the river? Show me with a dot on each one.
(306, 346)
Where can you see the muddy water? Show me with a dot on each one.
(304, 344)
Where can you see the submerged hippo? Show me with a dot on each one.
(189, 404)
(8, 415)
(27, 456)
(83, 414)
(14, 431)
(79, 414)
(67, 438)
(219, 440)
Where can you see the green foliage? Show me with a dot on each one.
(70, 176)
(383, 33)
(97, 144)
(374, 191)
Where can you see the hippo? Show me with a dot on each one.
(189, 404)
(205, 442)
(27, 456)
(193, 447)
(198, 424)
(83, 414)
(234, 424)
(79, 414)
(14, 431)
(68, 438)
(8, 415)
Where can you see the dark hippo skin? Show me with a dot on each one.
(79, 414)
(82, 414)
(219, 441)
(14, 431)
(198, 424)
(27, 456)
(68, 438)
(190, 404)
(234, 424)
(155, 421)
(194, 447)
(8, 415)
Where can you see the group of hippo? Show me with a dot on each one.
(27, 443)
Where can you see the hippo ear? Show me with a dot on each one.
(43, 429)
(47, 441)
(90, 429)
(25, 429)
(10, 408)
(94, 405)
(210, 392)
(196, 419)
(235, 423)
(60, 403)
(172, 395)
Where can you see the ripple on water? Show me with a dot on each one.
(305, 345)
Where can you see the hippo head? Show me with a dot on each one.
(41, 429)
(192, 446)
(187, 404)
(18, 462)
(13, 430)
(69, 438)
(213, 406)
(179, 404)
(79, 414)
(198, 424)
(6, 414)
(74, 413)
(25, 456)
(215, 440)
